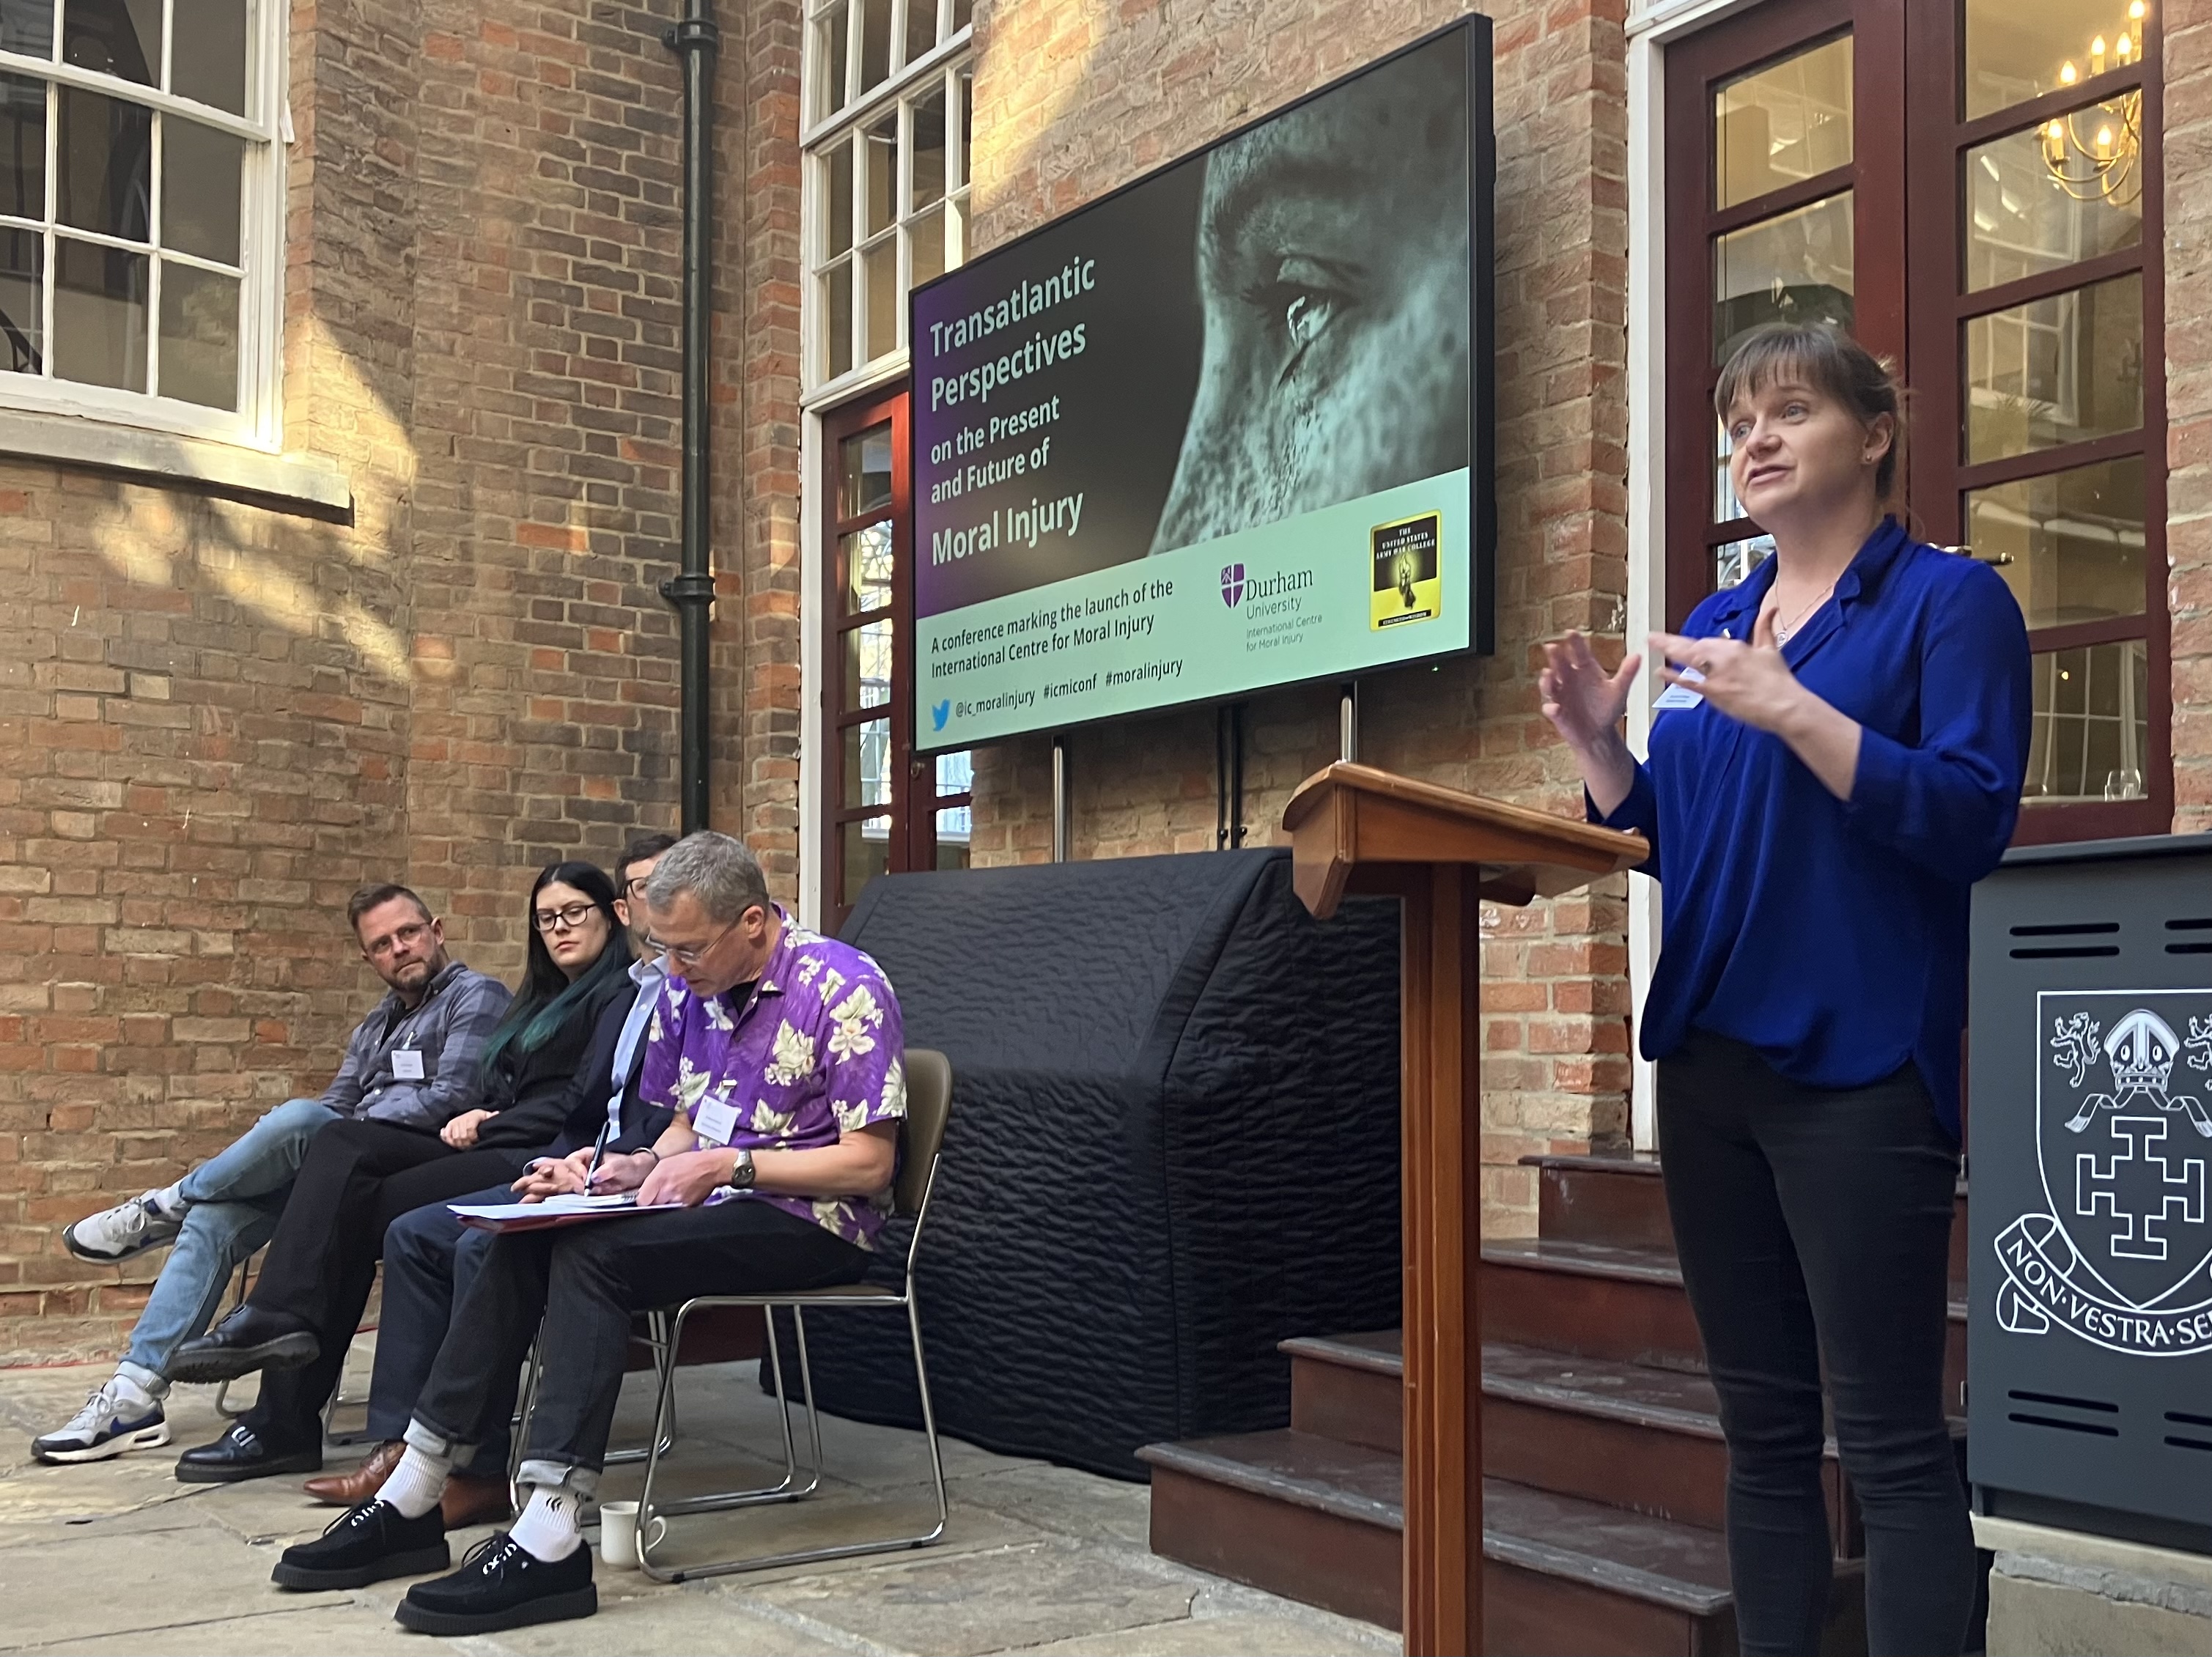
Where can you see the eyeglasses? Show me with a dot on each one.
(398, 935)
(688, 958)
(565, 919)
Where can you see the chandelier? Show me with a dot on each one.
(2096, 153)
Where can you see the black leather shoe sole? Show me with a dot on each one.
(416, 1562)
(548, 1608)
(291, 1351)
(237, 1472)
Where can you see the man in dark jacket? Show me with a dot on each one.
(414, 1061)
(430, 1257)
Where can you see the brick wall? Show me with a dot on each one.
(215, 717)
(2187, 155)
(1071, 101)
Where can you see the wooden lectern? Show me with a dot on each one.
(1355, 830)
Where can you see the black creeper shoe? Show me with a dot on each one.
(365, 1545)
(501, 1585)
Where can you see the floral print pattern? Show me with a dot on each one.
(813, 1054)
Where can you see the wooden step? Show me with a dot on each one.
(1619, 1199)
(1601, 1300)
(1350, 1389)
(1320, 1521)
(1630, 1436)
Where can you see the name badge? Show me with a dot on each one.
(1679, 695)
(406, 1064)
(716, 1121)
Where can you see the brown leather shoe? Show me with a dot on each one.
(351, 1489)
(470, 1500)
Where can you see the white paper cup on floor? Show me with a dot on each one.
(618, 1534)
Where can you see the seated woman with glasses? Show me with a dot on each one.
(315, 1279)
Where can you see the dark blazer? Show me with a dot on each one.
(587, 1107)
(534, 1094)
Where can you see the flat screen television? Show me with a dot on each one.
(1226, 428)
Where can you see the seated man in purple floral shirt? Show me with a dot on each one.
(779, 1051)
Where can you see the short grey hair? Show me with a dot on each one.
(717, 870)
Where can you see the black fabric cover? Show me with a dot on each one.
(1173, 1142)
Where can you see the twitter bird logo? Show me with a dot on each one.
(939, 714)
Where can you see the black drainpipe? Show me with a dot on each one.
(695, 41)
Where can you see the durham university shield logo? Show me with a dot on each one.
(2124, 1137)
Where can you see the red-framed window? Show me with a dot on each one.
(1972, 186)
(885, 809)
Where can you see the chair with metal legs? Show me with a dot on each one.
(922, 1137)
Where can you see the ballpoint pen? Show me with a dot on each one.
(599, 1150)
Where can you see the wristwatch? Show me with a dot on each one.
(741, 1176)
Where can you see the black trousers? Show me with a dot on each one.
(358, 1178)
(585, 1282)
(1815, 1223)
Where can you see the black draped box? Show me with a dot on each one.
(1174, 1142)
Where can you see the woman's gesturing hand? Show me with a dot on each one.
(1583, 704)
(1748, 681)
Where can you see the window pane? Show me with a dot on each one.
(2019, 49)
(200, 170)
(832, 39)
(106, 155)
(22, 307)
(864, 483)
(883, 173)
(954, 829)
(99, 315)
(920, 29)
(868, 569)
(881, 267)
(2056, 370)
(1794, 268)
(28, 27)
(929, 150)
(837, 320)
(837, 209)
(213, 52)
(964, 167)
(1726, 508)
(2035, 201)
(1790, 121)
(22, 147)
(925, 252)
(2070, 546)
(867, 665)
(868, 763)
(122, 38)
(1735, 560)
(2092, 724)
(875, 42)
(963, 13)
(199, 336)
(864, 853)
(956, 772)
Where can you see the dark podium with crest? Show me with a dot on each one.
(2089, 1098)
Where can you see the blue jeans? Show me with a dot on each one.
(430, 1259)
(235, 1197)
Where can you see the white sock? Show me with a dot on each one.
(170, 1199)
(547, 1529)
(131, 1398)
(415, 1485)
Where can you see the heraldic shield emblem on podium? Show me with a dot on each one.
(2122, 1257)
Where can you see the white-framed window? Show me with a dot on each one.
(888, 85)
(140, 218)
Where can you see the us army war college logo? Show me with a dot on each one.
(2120, 1258)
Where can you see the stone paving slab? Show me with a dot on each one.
(117, 1557)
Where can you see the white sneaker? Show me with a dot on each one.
(117, 1232)
(116, 1418)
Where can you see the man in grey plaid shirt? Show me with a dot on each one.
(415, 1060)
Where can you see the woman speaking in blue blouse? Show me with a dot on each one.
(1836, 758)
